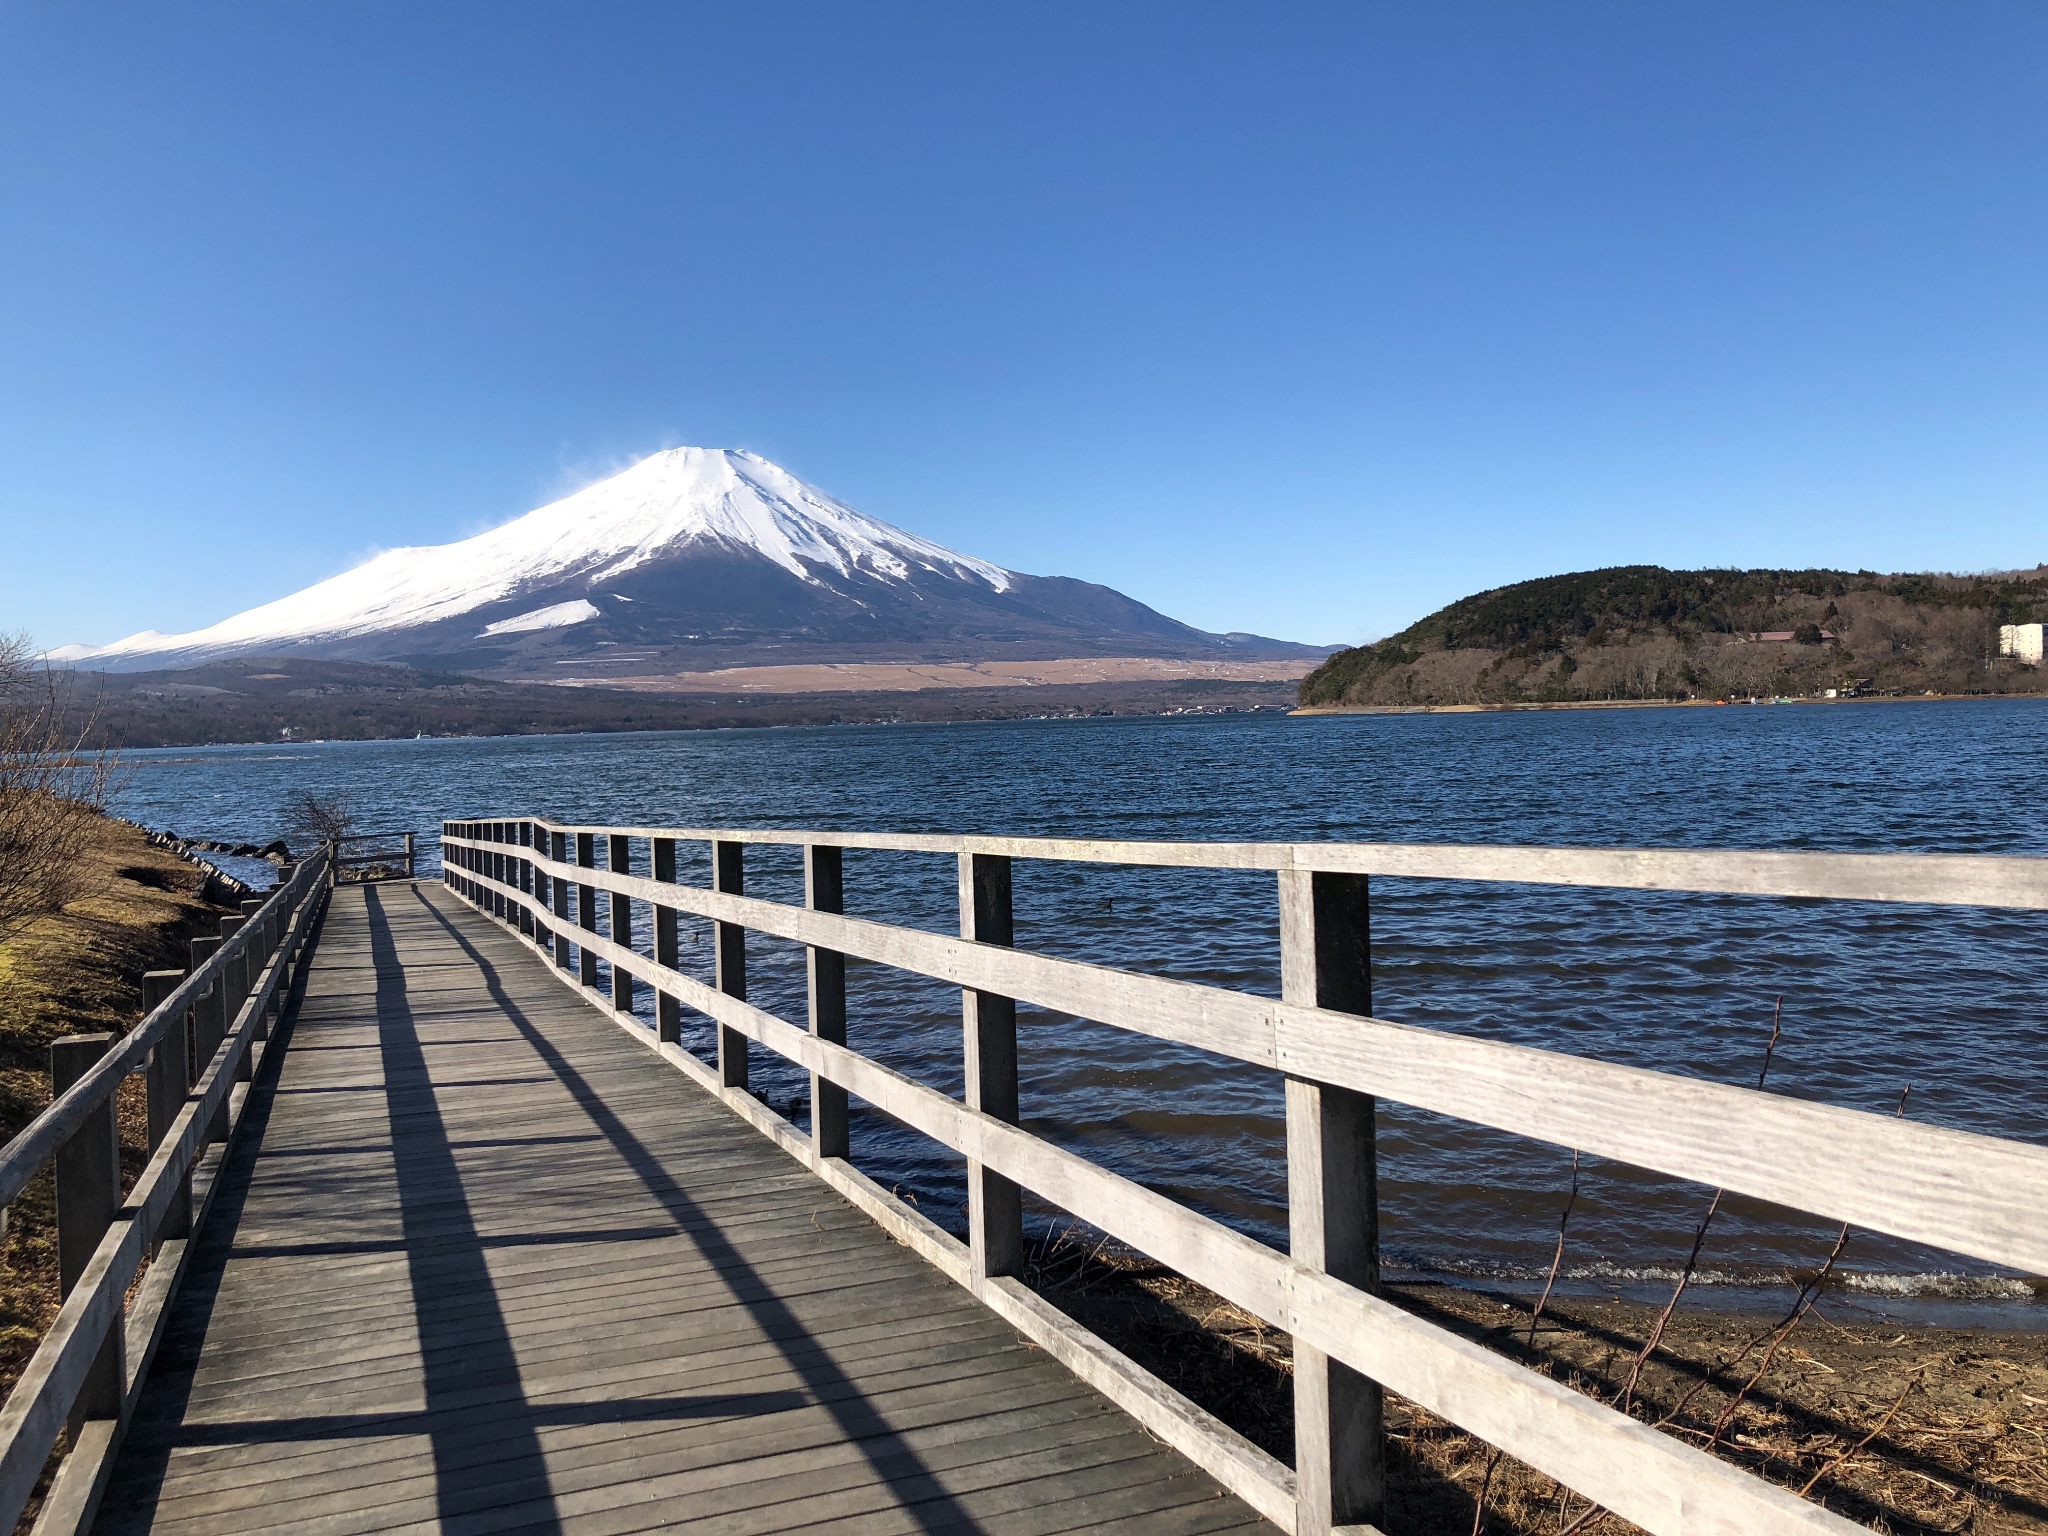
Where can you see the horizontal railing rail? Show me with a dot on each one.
(1939, 879)
(387, 850)
(87, 1372)
(1972, 1194)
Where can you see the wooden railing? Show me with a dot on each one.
(373, 851)
(203, 1034)
(1972, 1194)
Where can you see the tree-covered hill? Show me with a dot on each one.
(1644, 632)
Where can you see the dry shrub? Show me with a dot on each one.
(318, 819)
(53, 787)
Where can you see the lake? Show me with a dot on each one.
(1951, 1003)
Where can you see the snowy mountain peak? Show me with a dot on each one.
(721, 499)
(713, 494)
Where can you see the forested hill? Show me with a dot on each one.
(1644, 632)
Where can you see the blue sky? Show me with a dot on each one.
(1296, 319)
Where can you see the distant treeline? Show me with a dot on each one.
(1644, 632)
(276, 700)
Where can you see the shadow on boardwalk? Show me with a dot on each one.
(482, 1263)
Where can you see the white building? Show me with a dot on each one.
(2022, 641)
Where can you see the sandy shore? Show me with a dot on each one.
(916, 677)
(1905, 1428)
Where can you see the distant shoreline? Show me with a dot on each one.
(1501, 709)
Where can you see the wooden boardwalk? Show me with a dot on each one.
(479, 1263)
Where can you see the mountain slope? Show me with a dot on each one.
(691, 558)
(1644, 632)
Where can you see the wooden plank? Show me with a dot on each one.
(586, 906)
(667, 946)
(254, 1370)
(1332, 1203)
(712, 1423)
(1947, 879)
(1261, 1480)
(825, 990)
(633, 1413)
(995, 1211)
(619, 857)
(729, 946)
(613, 1466)
(877, 1347)
(88, 1179)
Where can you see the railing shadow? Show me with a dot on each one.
(444, 1255)
(919, 1492)
(486, 1453)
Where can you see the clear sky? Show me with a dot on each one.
(1289, 318)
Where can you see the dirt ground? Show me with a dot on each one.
(1900, 1429)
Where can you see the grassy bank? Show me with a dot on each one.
(78, 971)
(1905, 1429)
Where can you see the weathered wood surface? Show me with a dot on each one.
(1972, 1194)
(25, 1155)
(1942, 879)
(481, 1262)
(56, 1385)
(1656, 1480)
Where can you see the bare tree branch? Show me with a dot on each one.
(312, 818)
(53, 786)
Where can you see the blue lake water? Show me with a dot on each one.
(1951, 1002)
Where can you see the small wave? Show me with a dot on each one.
(1950, 1287)
(1936, 1285)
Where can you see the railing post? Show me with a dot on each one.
(411, 855)
(240, 982)
(729, 874)
(559, 846)
(668, 949)
(258, 955)
(620, 861)
(169, 1081)
(1332, 1203)
(586, 908)
(543, 891)
(88, 1197)
(213, 1016)
(825, 891)
(995, 1212)
(209, 1026)
(524, 880)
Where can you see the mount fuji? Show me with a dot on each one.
(692, 558)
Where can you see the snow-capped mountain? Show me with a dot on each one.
(692, 557)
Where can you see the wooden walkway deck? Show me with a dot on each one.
(481, 1263)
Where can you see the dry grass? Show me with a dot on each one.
(1964, 1449)
(53, 786)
